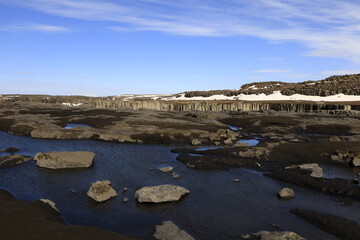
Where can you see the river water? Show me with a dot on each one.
(216, 208)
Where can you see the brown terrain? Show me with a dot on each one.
(331, 136)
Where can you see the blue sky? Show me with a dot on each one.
(113, 47)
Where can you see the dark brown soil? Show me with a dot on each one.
(339, 226)
(35, 220)
(5, 124)
(308, 152)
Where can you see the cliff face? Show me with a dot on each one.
(218, 106)
(214, 105)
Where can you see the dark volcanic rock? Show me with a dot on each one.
(12, 160)
(36, 220)
(341, 227)
(11, 150)
(336, 186)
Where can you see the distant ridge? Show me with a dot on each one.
(344, 84)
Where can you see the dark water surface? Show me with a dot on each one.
(216, 208)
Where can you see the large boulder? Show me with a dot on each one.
(12, 160)
(158, 194)
(59, 160)
(169, 231)
(101, 191)
(266, 235)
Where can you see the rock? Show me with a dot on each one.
(166, 169)
(175, 175)
(313, 168)
(356, 161)
(169, 231)
(195, 142)
(286, 193)
(125, 189)
(334, 139)
(11, 150)
(49, 202)
(161, 193)
(236, 180)
(12, 160)
(316, 171)
(265, 235)
(101, 191)
(125, 200)
(189, 165)
(59, 160)
(228, 141)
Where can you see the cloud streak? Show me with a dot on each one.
(33, 27)
(328, 28)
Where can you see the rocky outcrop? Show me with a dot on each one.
(169, 231)
(339, 226)
(286, 193)
(347, 156)
(266, 235)
(59, 160)
(159, 194)
(101, 191)
(32, 220)
(12, 160)
(11, 150)
(312, 168)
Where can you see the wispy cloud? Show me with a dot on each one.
(271, 71)
(33, 27)
(328, 28)
(341, 72)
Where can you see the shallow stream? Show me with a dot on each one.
(216, 208)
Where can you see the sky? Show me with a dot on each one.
(103, 48)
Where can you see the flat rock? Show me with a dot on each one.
(316, 171)
(11, 150)
(101, 191)
(12, 160)
(166, 169)
(50, 203)
(266, 235)
(313, 168)
(161, 193)
(169, 231)
(286, 193)
(59, 160)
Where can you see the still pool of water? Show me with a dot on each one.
(216, 208)
(74, 125)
